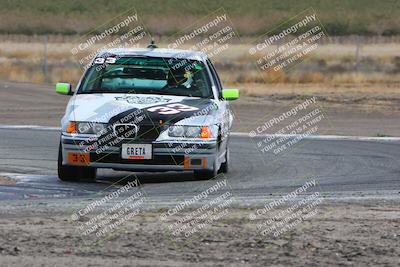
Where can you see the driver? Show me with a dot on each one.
(179, 77)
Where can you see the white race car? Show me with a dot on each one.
(146, 110)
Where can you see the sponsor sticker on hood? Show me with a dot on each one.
(143, 99)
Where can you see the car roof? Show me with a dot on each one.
(156, 52)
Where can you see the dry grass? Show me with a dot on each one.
(11, 72)
(4, 180)
(364, 78)
(313, 77)
(33, 73)
(24, 62)
(384, 53)
(66, 74)
(327, 91)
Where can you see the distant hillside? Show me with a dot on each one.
(165, 17)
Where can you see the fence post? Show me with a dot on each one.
(45, 66)
(358, 48)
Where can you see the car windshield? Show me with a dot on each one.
(147, 75)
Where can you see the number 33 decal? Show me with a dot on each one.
(172, 109)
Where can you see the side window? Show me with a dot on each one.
(215, 77)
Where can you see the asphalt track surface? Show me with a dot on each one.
(341, 168)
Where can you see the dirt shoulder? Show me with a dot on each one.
(339, 234)
(355, 109)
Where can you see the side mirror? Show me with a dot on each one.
(64, 89)
(230, 94)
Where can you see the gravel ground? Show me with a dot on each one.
(339, 234)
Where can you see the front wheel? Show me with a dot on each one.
(225, 166)
(74, 173)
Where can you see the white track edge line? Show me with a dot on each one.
(321, 137)
(239, 134)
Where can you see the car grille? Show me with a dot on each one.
(142, 132)
(148, 132)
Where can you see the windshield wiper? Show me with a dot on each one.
(94, 92)
(100, 91)
(138, 91)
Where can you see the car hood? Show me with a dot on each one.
(105, 108)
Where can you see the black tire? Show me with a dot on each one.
(204, 175)
(72, 173)
(225, 166)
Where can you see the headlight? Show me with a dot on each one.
(192, 132)
(99, 128)
(86, 127)
(189, 131)
(176, 131)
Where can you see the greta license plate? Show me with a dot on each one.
(136, 151)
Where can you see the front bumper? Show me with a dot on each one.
(167, 155)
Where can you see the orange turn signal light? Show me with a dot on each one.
(71, 127)
(205, 132)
